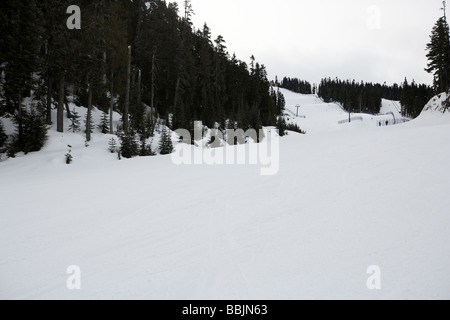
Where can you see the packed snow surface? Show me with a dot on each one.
(346, 197)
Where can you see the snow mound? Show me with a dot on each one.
(437, 103)
(434, 112)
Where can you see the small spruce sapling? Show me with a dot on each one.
(69, 157)
(75, 122)
(104, 124)
(112, 145)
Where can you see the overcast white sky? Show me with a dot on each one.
(370, 40)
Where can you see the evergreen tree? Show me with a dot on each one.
(406, 99)
(281, 126)
(116, 39)
(21, 25)
(60, 51)
(104, 124)
(296, 85)
(33, 136)
(35, 131)
(112, 145)
(414, 97)
(149, 125)
(165, 144)
(75, 122)
(295, 128)
(92, 56)
(145, 149)
(3, 137)
(129, 146)
(366, 97)
(255, 124)
(278, 100)
(439, 55)
(184, 72)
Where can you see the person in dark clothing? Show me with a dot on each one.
(387, 123)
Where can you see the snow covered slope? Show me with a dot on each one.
(316, 116)
(434, 112)
(388, 106)
(345, 198)
(436, 104)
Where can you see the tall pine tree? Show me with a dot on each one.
(165, 144)
(439, 55)
(21, 25)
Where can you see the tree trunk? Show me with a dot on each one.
(127, 94)
(89, 113)
(49, 101)
(111, 108)
(139, 97)
(60, 112)
(19, 116)
(105, 78)
(69, 114)
(234, 113)
(152, 104)
(177, 89)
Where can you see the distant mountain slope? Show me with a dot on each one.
(316, 116)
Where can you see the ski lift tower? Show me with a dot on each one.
(298, 107)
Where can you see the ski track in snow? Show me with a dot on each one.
(346, 197)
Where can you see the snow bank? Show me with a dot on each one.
(434, 112)
(8, 125)
(436, 104)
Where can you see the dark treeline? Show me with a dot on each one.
(174, 68)
(413, 97)
(296, 85)
(278, 100)
(366, 97)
